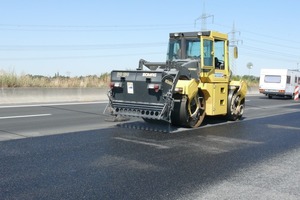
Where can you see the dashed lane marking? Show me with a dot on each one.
(25, 116)
(159, 146)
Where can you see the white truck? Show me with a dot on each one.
(279, 82)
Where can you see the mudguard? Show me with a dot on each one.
(238, 86)
(188, 87)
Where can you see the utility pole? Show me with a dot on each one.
(203, 19)
(233, 43)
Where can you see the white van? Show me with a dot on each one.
(278, 82)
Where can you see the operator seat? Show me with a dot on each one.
(217, 63)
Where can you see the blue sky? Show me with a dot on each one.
(88, 37)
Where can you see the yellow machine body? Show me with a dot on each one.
(195, 81)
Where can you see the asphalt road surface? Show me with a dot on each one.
(69, 151)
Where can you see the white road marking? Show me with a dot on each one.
(159, 146)
(53, 104)
(283, 127)
(272, 106)
(25, 116)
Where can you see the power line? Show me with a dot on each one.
(96, 28)
(262, 50)
(78, 47)
(93, 26)
(277, 39)
(279, 52)
(269, 57)
(76, 57)
(272, 44)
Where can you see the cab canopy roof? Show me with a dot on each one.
(213, 34)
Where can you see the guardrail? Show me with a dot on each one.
(42, 95)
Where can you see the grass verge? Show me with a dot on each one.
(12, 80)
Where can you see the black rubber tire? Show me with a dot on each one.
(235, 108)
(186, 108)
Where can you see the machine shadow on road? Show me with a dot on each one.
(166, 127)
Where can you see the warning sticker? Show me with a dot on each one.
(219, 75)
(130, 87)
